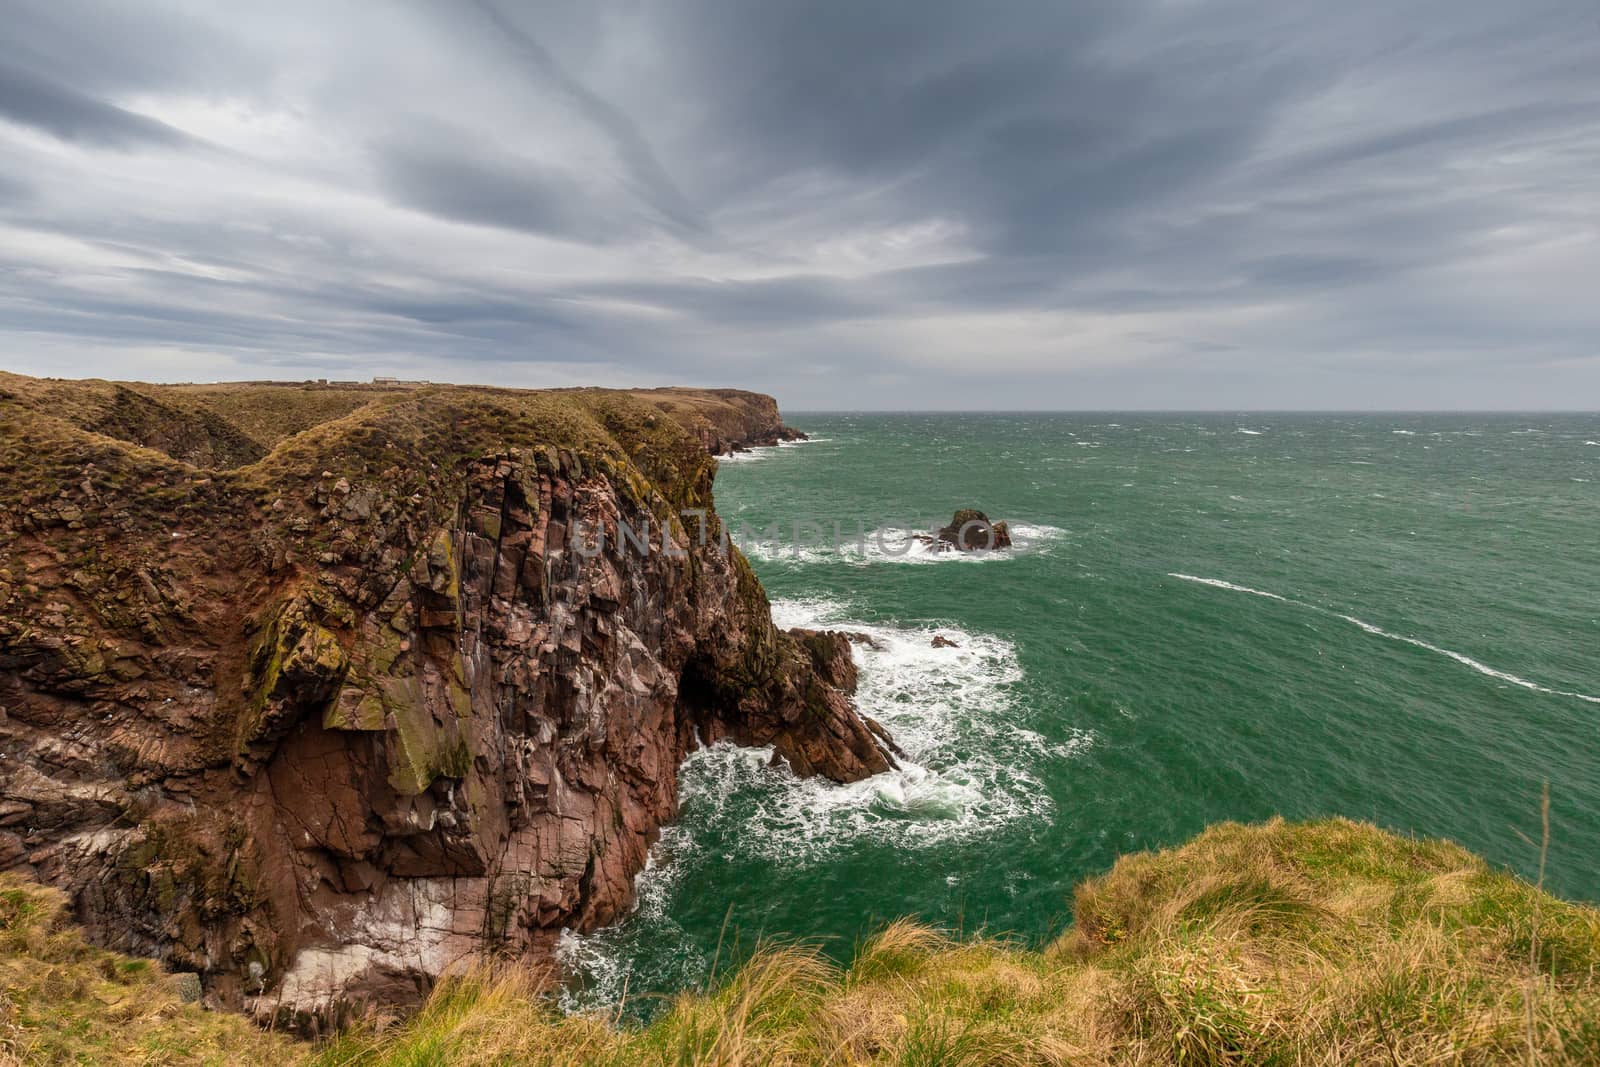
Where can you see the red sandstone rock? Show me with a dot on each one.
(318, 740)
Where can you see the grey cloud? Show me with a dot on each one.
(491, 191)
(1303, 270)
(73, 116)
(1012, 119)
(790, 300)
(656, 184)
(366, 325)
(1261, 203)
(13, 190)
(1424, 140)
(101, 47)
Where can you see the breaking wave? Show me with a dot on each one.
(894, 544)
(969, 771)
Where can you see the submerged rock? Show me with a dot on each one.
(857, 637)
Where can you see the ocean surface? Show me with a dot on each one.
(1389, 617)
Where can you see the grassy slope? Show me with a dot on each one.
(140, 414)
(63, 1001)
(269, 413)
(1327, 942)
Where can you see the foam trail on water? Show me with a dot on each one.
(1378, 631)
(1218, 583)
(1468, 661)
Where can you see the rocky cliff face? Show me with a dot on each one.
(403, 692)
(725, 420)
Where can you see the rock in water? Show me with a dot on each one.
(971, 531)
(375, 701)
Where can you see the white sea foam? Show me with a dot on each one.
(1377, 631)
(1404, 433)
(953, 711)
(760, 452)
(1220, 584)
(1028, 534)
(1252, 433)
(1595, 443)
(897, 545)
(968, 772)
(807, 611)
(596, 963)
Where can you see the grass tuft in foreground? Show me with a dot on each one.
(63, 1001)
(1286, 943)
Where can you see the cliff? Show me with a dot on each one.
(388, 693)
(725, 420)
(1327, 942)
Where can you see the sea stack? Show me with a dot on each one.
(970, 530)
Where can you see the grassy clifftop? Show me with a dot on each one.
(1328, 943)
(100, 479)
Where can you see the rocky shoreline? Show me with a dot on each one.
(321, 726)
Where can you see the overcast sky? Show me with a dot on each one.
(1129, 203)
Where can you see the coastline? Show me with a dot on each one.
(363, 708)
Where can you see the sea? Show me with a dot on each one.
(1389, 617)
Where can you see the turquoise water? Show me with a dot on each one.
(1389, 617)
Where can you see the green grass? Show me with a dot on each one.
(1328, 942)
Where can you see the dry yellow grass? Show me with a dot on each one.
(63, 1001)
(1285, 943)
(269, 413)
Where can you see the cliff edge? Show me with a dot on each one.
(319, 714)
(725, 420)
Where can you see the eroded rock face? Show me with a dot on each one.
(331, 734)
